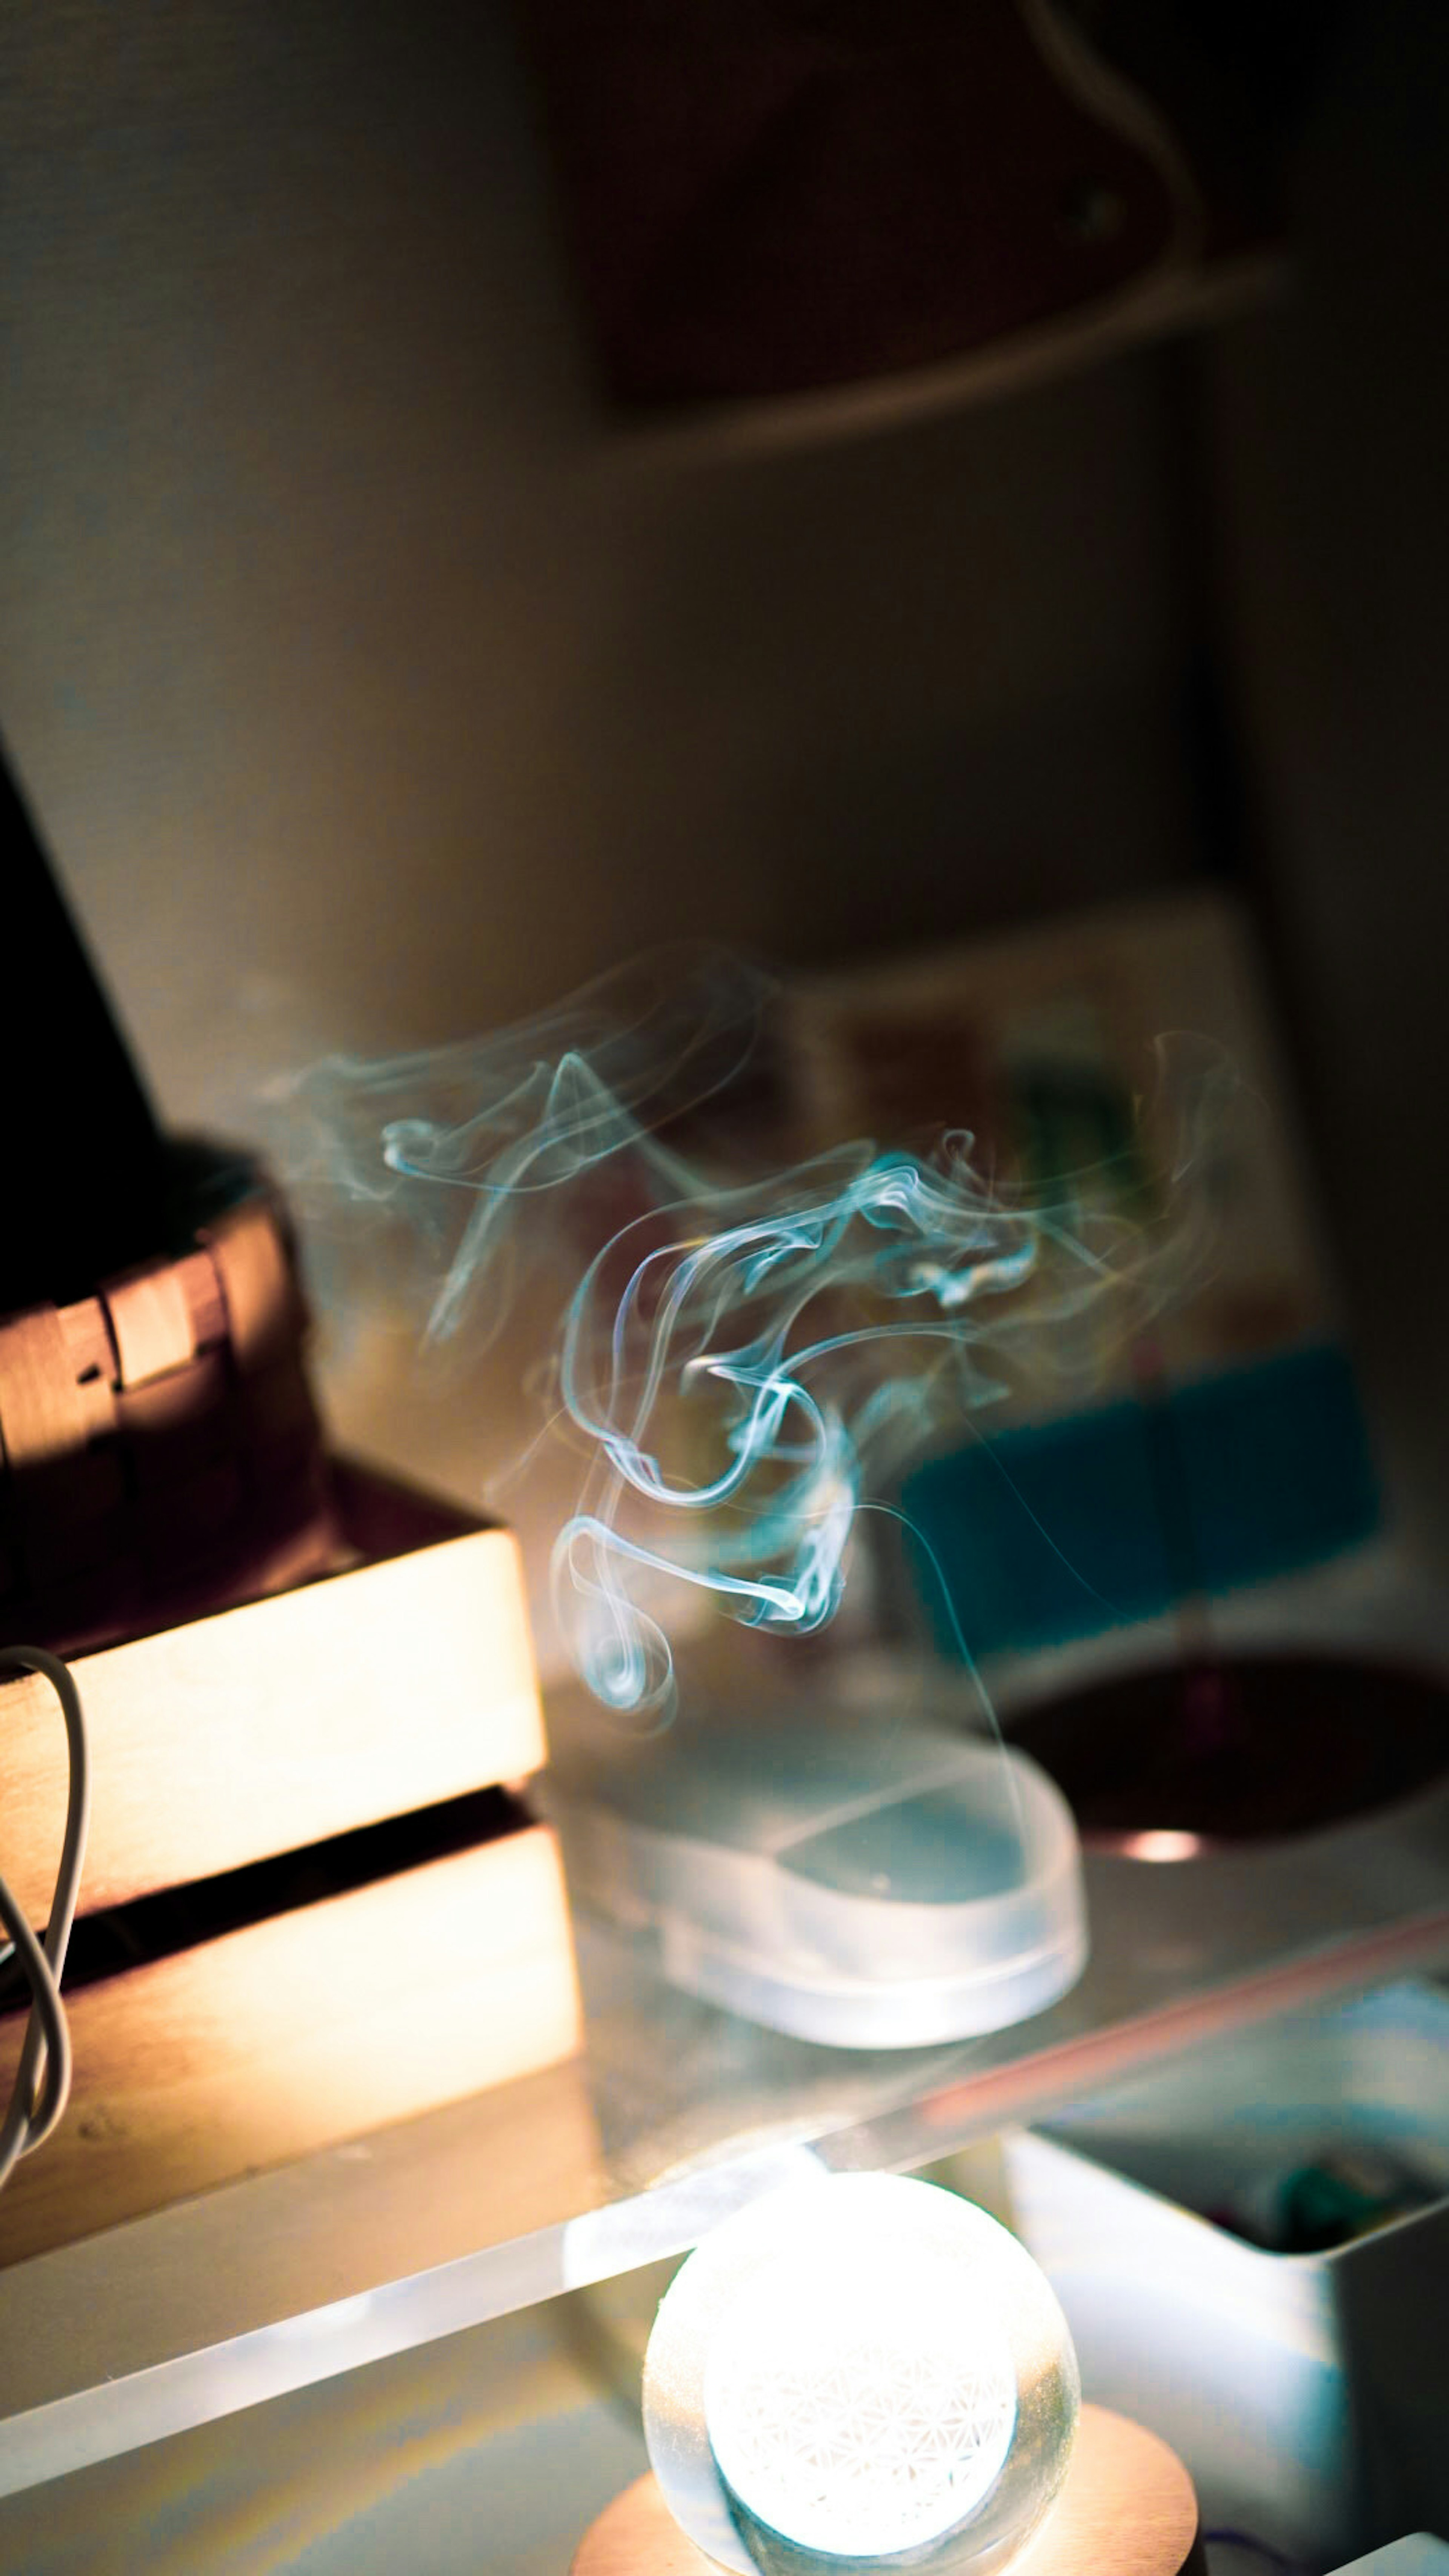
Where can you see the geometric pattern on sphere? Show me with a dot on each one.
(865, 2413)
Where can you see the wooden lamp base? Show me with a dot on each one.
(1127, 2508)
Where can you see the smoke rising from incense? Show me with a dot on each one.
(742, 1357)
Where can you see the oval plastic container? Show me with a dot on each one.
(841, 1869)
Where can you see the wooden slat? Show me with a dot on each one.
(298, 2032)
(256, 1284)
(205, 1303)
(281, 1723)
(151, 1323)
(42, 1416)
(88, 1340)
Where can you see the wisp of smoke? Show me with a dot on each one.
(743, 1357)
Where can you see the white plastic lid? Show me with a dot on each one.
(1419, 2555)
(849, 1872)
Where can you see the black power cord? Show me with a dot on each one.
(42, 2079)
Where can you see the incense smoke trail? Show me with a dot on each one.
(740, 1356)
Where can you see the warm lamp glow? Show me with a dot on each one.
(859, 2371)
(861, 2413)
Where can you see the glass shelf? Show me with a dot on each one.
(673, 2114)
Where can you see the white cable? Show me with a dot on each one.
(42, 2079)
(1117, 102)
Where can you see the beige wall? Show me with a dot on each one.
(342, 643)
(1331, 427)
(372, 688)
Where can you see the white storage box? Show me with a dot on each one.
(1308, 2393)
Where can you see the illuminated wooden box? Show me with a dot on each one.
(312, 1901)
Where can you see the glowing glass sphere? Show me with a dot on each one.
(860, 2415)
(860, 2370)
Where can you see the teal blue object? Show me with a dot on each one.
(1068, 1527)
